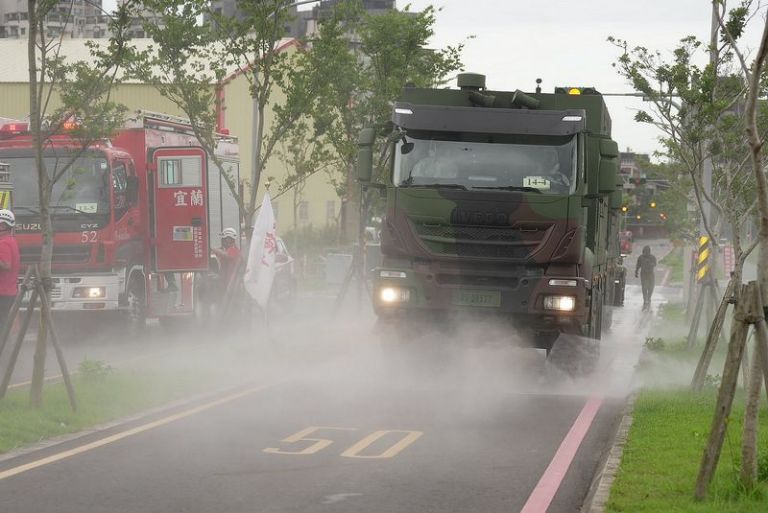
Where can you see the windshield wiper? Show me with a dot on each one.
(511, 188)
(28, 209)
(73, 209)
(437, 186)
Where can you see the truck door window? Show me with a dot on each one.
(119, 189)
(180, 172)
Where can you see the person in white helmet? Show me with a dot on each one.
(9, 264)
(229, 256)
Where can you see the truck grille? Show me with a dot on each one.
(517, 242)
(72, 254)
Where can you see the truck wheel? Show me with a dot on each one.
(137, 303)
(573, 355)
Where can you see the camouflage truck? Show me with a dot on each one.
(501, 204)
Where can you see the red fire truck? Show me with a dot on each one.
(133, 216)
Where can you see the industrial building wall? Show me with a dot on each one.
(14, 99)
(318, 195)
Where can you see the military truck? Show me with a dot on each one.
(499, 204)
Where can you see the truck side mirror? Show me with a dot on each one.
(132, 189)
(609, 166)
(365, 155)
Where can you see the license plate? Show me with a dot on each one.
(484, 298)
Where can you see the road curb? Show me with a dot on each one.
(600, 490)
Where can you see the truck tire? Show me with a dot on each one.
(574, 356)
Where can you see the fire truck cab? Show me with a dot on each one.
(133, 217)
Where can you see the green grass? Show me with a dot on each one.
(102, 396)
(672, 312)
(674, 261)
(662, 456)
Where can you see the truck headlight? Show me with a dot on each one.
(392, 295)
(90, 292)
(560, 303)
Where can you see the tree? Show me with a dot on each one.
(189, 60)
(695, 109)
(754, 83)
(305, 155)
(371, 59)
(83, 92)
(712, 115)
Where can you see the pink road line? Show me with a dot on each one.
(549, 484)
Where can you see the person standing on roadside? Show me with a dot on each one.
(646, 264)
(229, 257)
(9, 265)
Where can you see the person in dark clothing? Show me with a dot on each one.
(646, 263)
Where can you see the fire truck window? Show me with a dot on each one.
(181, 172)
(170, 172)
(119, 188)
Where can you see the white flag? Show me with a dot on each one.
(260, 269)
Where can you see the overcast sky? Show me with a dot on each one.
(563, 42)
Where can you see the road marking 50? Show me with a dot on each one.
(355, 450)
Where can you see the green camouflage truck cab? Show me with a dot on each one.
(500, 203)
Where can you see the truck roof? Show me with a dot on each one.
(598, 120)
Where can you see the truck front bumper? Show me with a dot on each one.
(537, 302)
(84, 292)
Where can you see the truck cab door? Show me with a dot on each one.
(179, 186)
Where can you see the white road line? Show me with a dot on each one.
(130, 432)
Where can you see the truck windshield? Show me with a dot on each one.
(83, 189)
(486, 161)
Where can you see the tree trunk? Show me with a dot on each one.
(44, 194)
(714, 335)
(351, 216)
(725, 395)
(258, 164)
(749, 437)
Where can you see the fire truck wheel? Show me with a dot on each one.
(137, 302)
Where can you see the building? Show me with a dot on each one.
(304, 22)
(631, 165)
(317, 199)
(70, 18)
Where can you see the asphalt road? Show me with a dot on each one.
(330, 423)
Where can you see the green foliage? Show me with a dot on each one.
(762, 466)
(672, 312)
(674, 261)
(698, 112)
(368, 77)
(310, 241)
(94, 369)
(655, 344)
(712, 381)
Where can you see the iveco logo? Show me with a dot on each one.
(476, 217)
